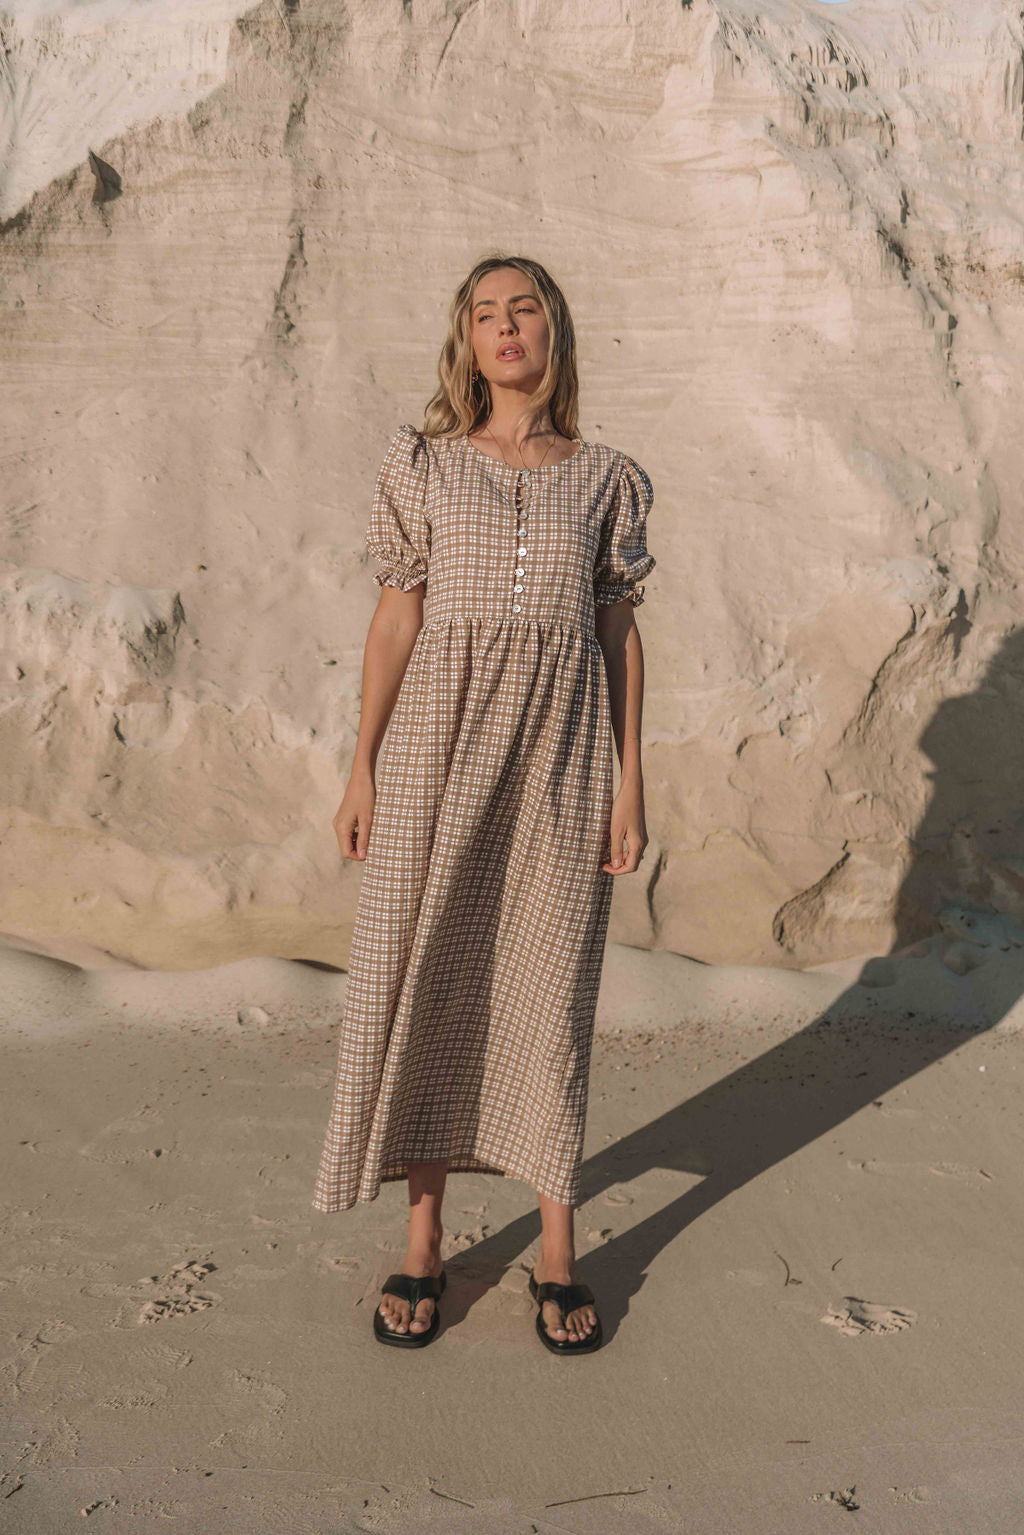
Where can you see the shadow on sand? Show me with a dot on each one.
(966, 873)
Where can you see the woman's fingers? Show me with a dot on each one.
(625, 860)
(352, 830)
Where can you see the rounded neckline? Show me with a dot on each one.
(500, 463)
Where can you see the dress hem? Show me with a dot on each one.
(456, 1164)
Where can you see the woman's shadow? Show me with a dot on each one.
(960, 904)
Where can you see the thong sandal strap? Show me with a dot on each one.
(567, 1297)
(414, 1288)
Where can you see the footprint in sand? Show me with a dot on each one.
(267, 1392)
(855, 1317)
(596, 1236)
(164, 1357)
(91, 1508)
(176, 1293)
(910, 1494)
(845, 1498)
(347, 1268)
(460, 1241)
(959, 1170)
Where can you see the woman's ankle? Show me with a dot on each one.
(425, 1242)
(560, 1257)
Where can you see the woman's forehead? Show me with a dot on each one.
(495, 285)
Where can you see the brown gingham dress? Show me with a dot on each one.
(479, 935)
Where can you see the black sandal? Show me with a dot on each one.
(567, 1297)
(413, 1289)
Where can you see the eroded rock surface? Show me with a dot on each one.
(791, 236)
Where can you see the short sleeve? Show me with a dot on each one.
(622, 557)
(398, 535)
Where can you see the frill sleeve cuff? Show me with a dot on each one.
(605, 596)
(405, 577)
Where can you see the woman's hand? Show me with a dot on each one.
(629, 826)
(355, 814)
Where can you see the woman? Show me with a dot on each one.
(501, 657)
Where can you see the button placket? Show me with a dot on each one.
(522, 485)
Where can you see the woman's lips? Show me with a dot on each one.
(506, 356)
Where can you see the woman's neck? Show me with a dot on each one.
(503, 423)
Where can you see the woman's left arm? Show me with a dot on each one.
(619, 639)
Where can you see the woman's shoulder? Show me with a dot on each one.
(617, 464)
(408, 435)
(601, 452)
(413, 440)
(410, 445)
(612, 454)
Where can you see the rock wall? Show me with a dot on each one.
(791, 235)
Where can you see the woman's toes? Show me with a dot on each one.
(422, 1319)
(394, 1318)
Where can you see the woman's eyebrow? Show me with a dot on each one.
(513, 300)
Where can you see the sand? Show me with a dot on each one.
(800, 1221)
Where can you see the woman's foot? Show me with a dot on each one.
(419, 1260)
(579, 1324)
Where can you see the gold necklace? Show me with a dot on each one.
(501, 450)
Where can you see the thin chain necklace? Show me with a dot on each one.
(501, 450)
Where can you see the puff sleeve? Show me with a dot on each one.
(622, 557)
(398, 534)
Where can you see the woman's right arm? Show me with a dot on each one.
(397, 620)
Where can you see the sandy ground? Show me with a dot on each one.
(802, 1224)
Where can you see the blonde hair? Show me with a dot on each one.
(460, 403)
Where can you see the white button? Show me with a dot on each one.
(521, 549)
(516, 608)
(517, 588)
(520, 571)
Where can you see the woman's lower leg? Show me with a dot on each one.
(556, 1263)
(426, 1194)
(423, 1243)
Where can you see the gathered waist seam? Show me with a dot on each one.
(510, 618)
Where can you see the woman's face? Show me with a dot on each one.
(509, 330)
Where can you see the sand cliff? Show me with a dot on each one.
(791, 236)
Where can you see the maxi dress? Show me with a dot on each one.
(478, 942)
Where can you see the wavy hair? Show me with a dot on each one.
(460, 403)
